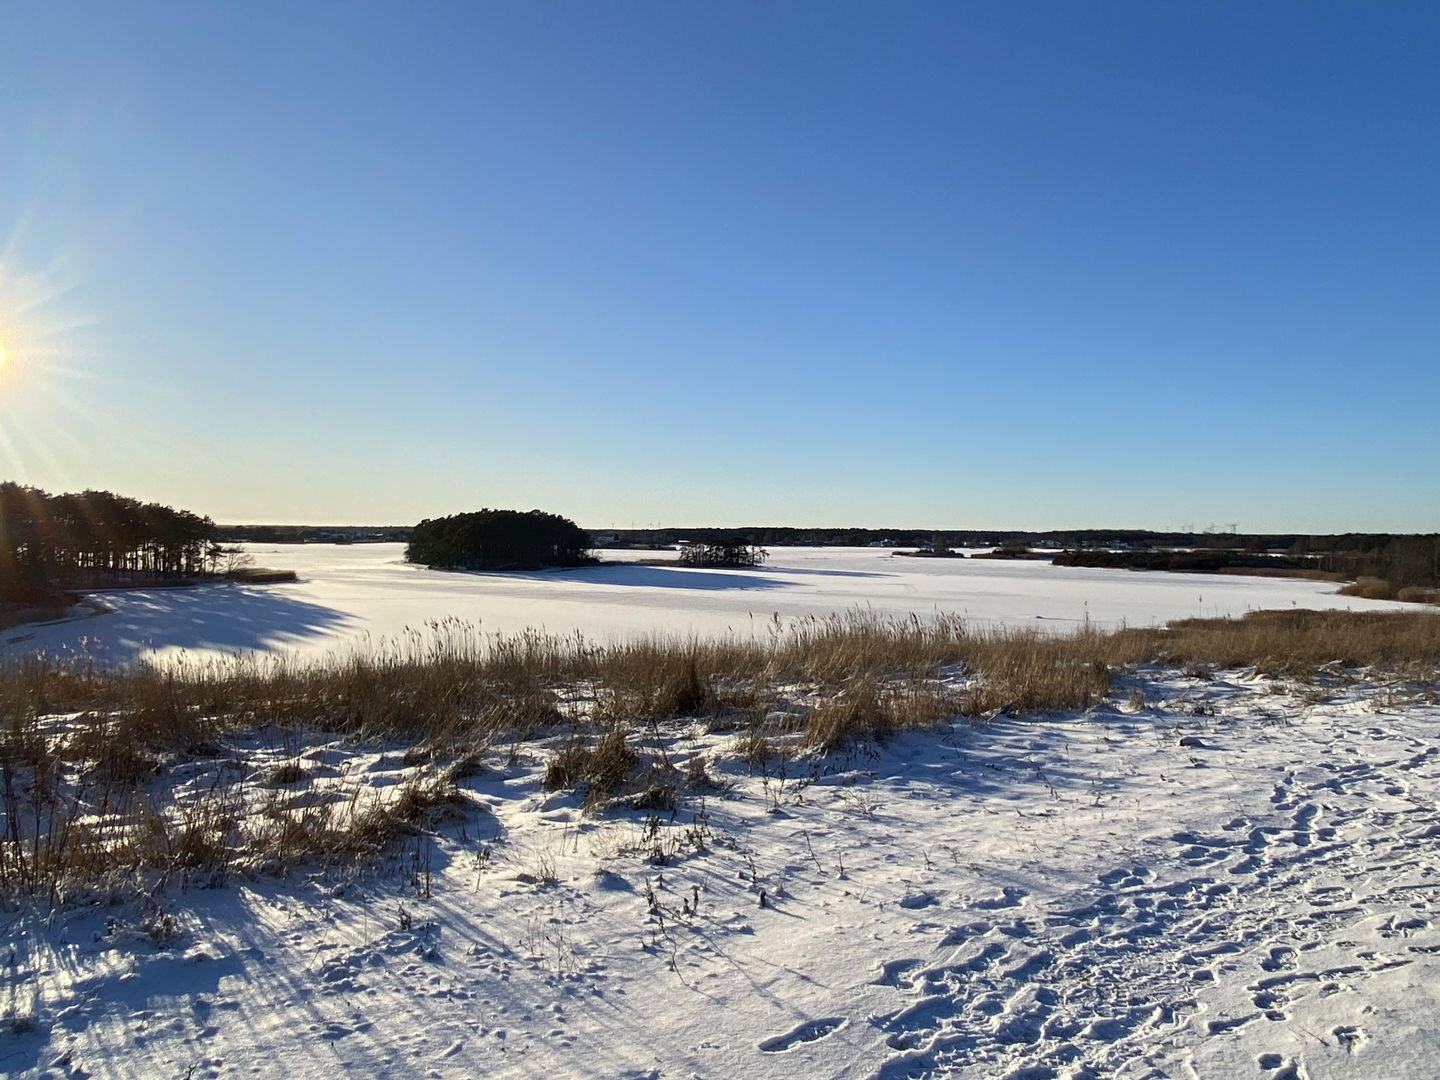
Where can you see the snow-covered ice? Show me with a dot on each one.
(351, 595)
(1236, 877)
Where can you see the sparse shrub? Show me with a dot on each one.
(602, 770)
(651, 797)
(162, 928)
(361, 828)
(289, 772)
(856, 714)
(919, 704)
(1025, 672)
(756, 749)
(660, 685)
(609, 766)
(1370, 588)
(424, 802)
(463, 767)
(567, 767)
(203, 836)
(697, 774)
(1416, 594)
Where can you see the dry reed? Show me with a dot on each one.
(77, 810)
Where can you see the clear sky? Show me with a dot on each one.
(995, 264)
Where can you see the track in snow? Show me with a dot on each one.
(1116, 983)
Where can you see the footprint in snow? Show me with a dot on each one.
(917, 900)
(1281, 958)
(808, 1032)
(896, 973)
(1010, 897)
(1351, 1038)
(1284, 1069)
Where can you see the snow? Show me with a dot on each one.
(1236, 879)
(354, 596)
(1209, 877)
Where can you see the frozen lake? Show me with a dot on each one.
(349, 595)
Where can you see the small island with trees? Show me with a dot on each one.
(731, 552)
(499, 540)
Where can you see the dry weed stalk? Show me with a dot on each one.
(78, 809)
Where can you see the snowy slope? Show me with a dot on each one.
(1237, 879)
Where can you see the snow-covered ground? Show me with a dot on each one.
(1211, 877)
(349, 595)
(1237, 877)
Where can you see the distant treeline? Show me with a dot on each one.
(1183, 561)
(1403, 561)
(313, 534)
(49, 543)
(1297, 544)
(781, 536)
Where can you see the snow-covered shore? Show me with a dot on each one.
(1236, 876)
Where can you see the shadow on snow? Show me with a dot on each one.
(644, 575)
(228, 618)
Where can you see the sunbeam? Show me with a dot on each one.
(45, 362)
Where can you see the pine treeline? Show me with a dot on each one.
(49, 543)
(499, 540)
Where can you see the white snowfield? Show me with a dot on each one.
(1233, 877)
(356, 596)
(1238, 879)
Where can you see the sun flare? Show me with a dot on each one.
(43, 356)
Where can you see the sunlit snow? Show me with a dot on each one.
(354, 596)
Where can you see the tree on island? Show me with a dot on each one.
(499, 540)
(729, 552)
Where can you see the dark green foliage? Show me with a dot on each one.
(1182, 561)
(52, 542)
(499, 540)
(732, 551)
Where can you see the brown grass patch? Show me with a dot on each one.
(1370, 588)
(1415, 594)
(77, 792)
(1279, 572)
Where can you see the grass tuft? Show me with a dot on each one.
(92, 761)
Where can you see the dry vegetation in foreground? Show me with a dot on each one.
(1280, 572)
(122, 781)
(1374, 588)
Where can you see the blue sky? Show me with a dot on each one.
(960, 264)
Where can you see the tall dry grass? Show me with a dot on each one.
(77, 802)
(1370, 588)
(1304, 573)
(454, 684)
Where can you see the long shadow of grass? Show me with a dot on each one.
(227, 618)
